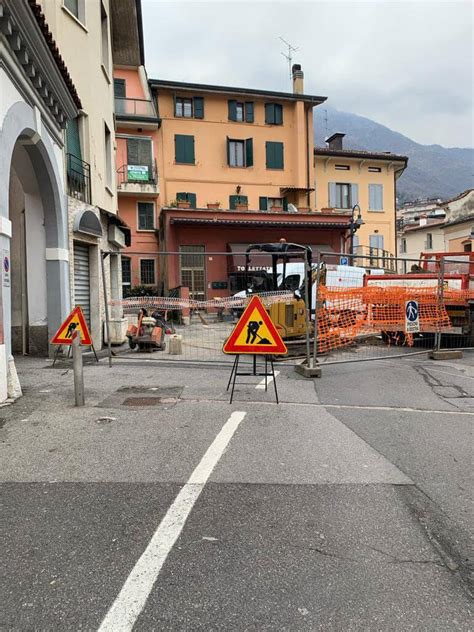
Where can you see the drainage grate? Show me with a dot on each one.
(148, 401)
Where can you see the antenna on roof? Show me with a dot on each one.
(289, 56)
(326, 122)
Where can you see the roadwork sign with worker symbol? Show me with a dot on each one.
(75, 322)
(255, 333)
(412, 317)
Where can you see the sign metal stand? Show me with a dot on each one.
(235, 372)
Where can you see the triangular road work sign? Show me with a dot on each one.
(74, 322)
(255, 333)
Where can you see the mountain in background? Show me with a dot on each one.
(433, 171)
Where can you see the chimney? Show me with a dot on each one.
(423, 220)
(298, 79)
(335, 141)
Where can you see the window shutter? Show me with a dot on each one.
(190, 149)
(354, 194)
(178, 148)
(280, 159)
(73, 142)
(380, 197)
(274, 152)
(198, 103)
(371, 197)
(144, 153)
(232, 110)
(285, 204)
(228, 151)
(269, 113)
(332, 195)
(132, 151)
(243, 199)
(233, 201)
(263, 203)
(278, 114)
(249, 116)
(249, 152)
(192, 199)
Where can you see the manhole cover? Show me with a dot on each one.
(148, 401)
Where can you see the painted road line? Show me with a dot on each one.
(261, 385)
(132, 598)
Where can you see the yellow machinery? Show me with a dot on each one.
(290, 317)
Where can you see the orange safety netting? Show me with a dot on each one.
(345, 314)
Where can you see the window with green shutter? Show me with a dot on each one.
(273, 114)
(184, 149)
(240, 111)
(237, 199)
(263, 203)
(240, 152)
(186, 197)
(274, 155)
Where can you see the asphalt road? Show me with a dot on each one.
(346, 507)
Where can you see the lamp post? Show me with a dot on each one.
(355, 225)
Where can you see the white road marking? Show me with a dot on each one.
(261, 385)
(132, 598)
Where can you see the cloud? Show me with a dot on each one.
(408, 65)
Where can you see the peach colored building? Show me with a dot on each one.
(236, 167)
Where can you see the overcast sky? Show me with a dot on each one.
(407, 65)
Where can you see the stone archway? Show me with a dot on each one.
(23, 133)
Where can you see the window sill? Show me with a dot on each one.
(373, 210)
(186, 164)
(146, 230)
(76, 19)
(236, 167)
(275, 168)
(106, 73)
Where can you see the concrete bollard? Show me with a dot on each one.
(175, 345)
(78, 370)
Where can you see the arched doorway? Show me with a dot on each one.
(33, 232)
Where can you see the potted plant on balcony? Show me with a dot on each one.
(184, 204)
(213, 205)
(240, 206)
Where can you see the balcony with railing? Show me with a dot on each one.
(141, 109)
(138, 179)
(368, 257)
(78, 178)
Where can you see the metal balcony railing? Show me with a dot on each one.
(374, 258)
(78, 178)
(137, 174)
(134, 107)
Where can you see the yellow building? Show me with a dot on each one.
(345, 178)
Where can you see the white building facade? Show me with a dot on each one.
(37, 98)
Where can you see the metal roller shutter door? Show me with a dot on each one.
(82, 295)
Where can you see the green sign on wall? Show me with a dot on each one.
(137, 173)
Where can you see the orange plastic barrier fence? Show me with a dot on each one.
(347, 313)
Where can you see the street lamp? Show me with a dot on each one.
(355, 225)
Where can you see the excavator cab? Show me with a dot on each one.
(289, 265)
